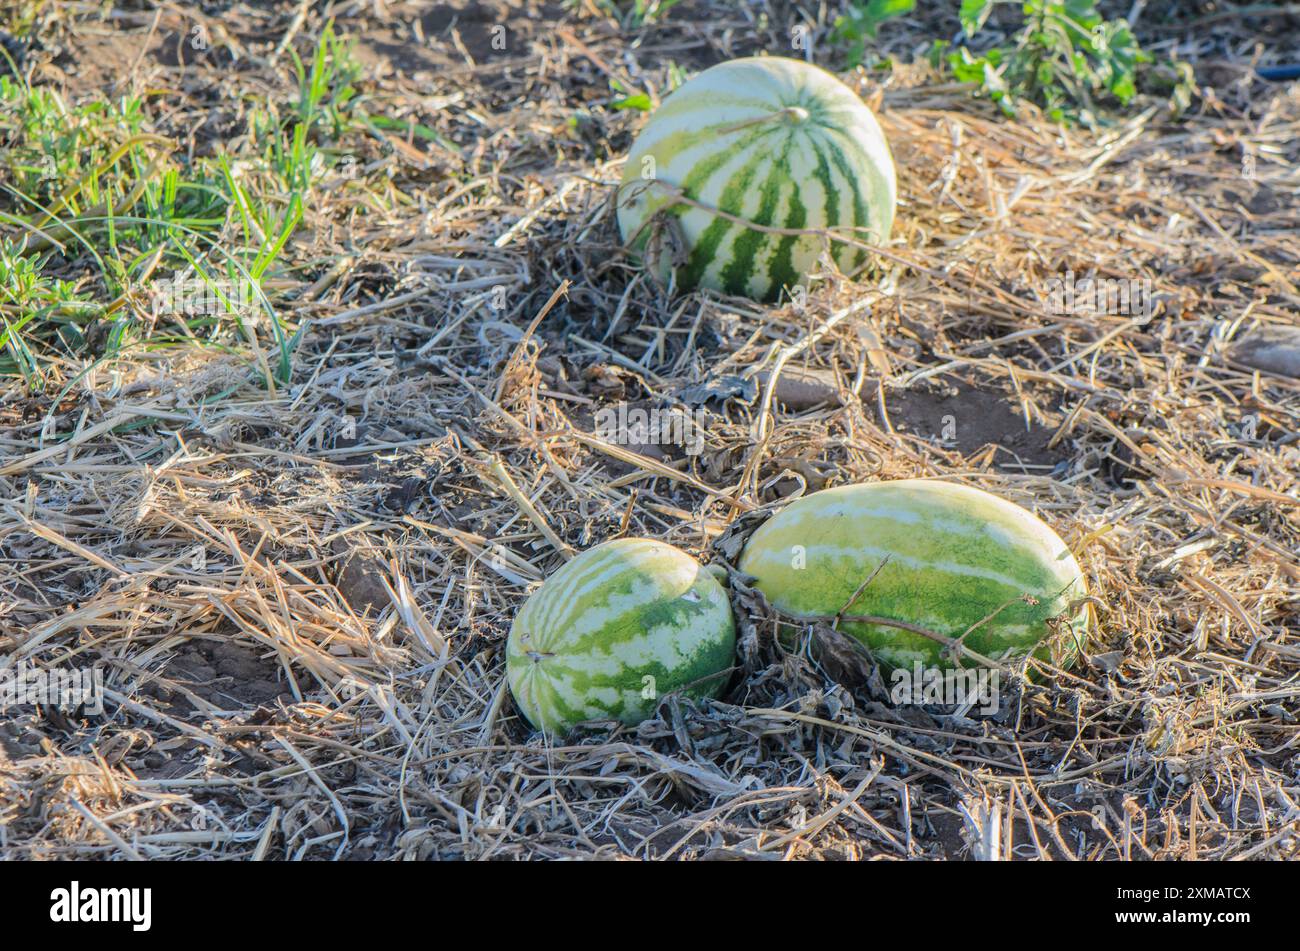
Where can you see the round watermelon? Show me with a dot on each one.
(615, 629)
(951, 555)
(771, 141)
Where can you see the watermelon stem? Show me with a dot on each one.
(839, 615)
(951, 643)
(795, 114)
(960, 642)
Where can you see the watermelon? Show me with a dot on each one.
(952, 556)
(614, 630)
(772, 141)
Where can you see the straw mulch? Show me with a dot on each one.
(299, 598)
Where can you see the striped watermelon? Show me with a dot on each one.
(613, 630)
(775, 142)
(955, 556)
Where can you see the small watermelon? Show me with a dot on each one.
(771, 141)
(951, 556)
(615, 629)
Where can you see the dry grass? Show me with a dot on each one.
(301, 632)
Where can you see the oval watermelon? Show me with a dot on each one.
(952, 556)
(772, 141)
(613, 630)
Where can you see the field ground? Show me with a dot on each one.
(295, 560)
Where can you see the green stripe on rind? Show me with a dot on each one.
(861, 212)
(614, 615)
(839, 147)
(831, 208)
(705, 250)
(782, 272)
(738, 273)
(718, 149)
(951, 556)
(874, 213)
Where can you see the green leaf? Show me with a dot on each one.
(863, 19)
(1123, 88)
(639, 101)
(966, 68)
(892, 8)
(1083, 12)
(974, 14)
(936, 54)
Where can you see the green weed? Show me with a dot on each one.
(108, 239)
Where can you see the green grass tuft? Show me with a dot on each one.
(110, 239)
